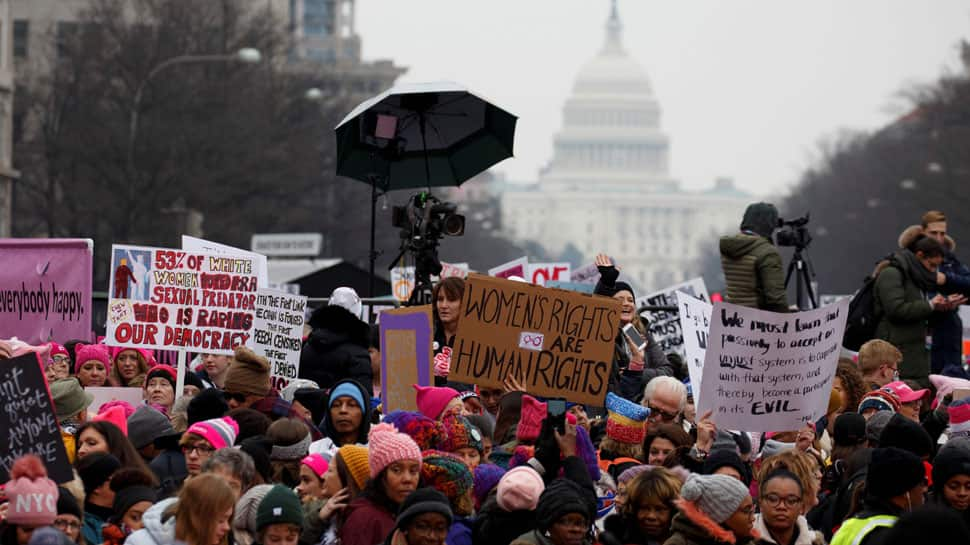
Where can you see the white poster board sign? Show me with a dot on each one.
(695, 323)
(766, 371)
(448, 270)
(540, 273)
(516, 267)
(664, 325)
(402, 283)
(278, 333)
(194, 244)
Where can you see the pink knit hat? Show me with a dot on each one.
(530, 419)
(58, 350)
(433, 400)
(88, 352)
(219, 432)
(115, 415)
(959, 412)
(317, 464)
(33, 497)
(146, 354)
(519, 489)
(386, 445)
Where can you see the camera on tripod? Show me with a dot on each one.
(793, 232)
(423, 221)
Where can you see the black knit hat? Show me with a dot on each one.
(315, 400)
(850, 429)
(901, 432)
(623, 286)
(126, 498)
(67, 503)
(562, 497)
(191, 379)
(953, 459)
(726, 458)
(893, 471)
(945, 525)
(423, 500)
(95, 469)
(208, 404)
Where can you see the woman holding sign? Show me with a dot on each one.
(637, 358)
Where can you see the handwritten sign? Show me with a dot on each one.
(516, 267)
(695, 323)
(540, 273)
(664, 326)
(406, 354)
(402, 283)
(209, 247)
(765, 371)
(164, 298)
(28, 421)
(575, 335)
(45, 289)
(278, 333)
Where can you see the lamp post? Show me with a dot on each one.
(247, 55)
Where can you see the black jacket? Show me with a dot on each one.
(946, 354)
(337, 349)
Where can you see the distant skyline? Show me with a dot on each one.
(748, 88)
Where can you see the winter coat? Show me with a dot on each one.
(157, 531)
(903, 310)
(169, 468)
(460, 532)
(805, 535)
(498, 526)
(366, 523)
(621, 530)
(754, 273)
(337, 349)
(534, 537)
(93, 523)
(691, 526)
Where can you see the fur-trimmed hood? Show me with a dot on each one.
(806, 536)
(336, 325)
(911, 233)
(696, 527)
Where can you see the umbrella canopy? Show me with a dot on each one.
(423, 135)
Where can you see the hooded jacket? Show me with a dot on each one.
(806, 536)
(337, 349)
(753, 272)
(327, 444)
(156, 531)
(903, 309)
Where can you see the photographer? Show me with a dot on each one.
(752, 265)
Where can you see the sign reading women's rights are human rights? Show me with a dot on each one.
(559, 342)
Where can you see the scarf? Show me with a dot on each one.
(920, 275)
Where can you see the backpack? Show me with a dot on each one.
(860, 325)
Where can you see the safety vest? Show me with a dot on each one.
(854, 530)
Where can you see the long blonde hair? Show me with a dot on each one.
(201, 502)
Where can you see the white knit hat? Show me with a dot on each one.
(717, 496)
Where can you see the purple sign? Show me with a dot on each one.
(45, 289)
(406, 356)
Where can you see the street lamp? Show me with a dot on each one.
(246, 55)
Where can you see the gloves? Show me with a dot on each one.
(442, 362)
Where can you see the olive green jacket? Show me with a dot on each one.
(754, 273)
(903, 311)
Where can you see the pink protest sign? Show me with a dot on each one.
(45, 289)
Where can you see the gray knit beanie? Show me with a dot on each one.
(717, 496)
(246, 508)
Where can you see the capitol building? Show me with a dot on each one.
(608, 187)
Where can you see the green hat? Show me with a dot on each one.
(279, 506)
(69, 398)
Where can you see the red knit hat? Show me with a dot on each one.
(33, 497)
(88, 352)
(433, 400)
(386, 445)
(530, 419)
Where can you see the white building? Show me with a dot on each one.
(608, 188)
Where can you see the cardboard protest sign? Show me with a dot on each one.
(406, 356)
(207, 246)
(664, 326)
(163, 298)
(559, 342)
(516, 267)
(695, 322)
(45, 289)
(28, 421)
(587, 274)
(278, 333)
(402, 283)
(103, 395)
(765, 371)
(540, 273)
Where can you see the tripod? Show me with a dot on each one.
(804, 273)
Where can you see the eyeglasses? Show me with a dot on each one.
(62, 524)
(202, 450)
(60, 358)
(234, 396)
(775, 500)
(427, 529)
(662, 414)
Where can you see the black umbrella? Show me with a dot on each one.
(421, 135)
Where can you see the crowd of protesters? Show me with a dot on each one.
(229, 459)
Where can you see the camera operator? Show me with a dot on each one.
(752, 265)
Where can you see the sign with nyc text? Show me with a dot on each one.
(765, 371)
(165, 298)
(560, 343)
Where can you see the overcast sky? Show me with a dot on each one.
(748, 88)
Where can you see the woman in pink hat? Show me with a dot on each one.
(130, 365)
(204, 438)
(93, 365)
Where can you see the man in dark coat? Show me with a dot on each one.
(752, 265)
(337, 349)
